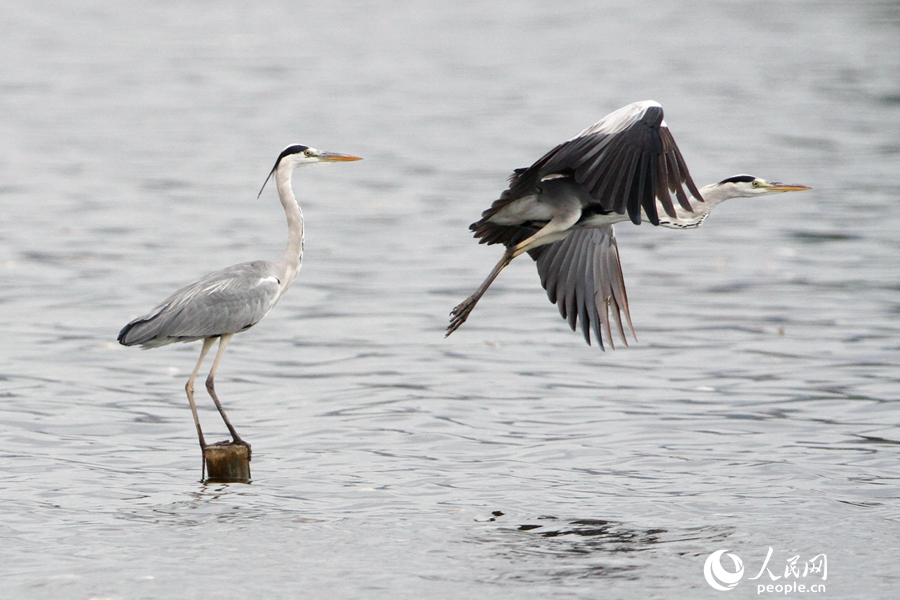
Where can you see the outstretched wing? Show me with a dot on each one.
(583, 276)
(227, 301)
(626, 162)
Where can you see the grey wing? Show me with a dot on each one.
(583, 276)
(227, 301)
(627, 161)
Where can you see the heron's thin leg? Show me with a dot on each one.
(189, 388)
(556, 229)
(210, 386)
(459, 314)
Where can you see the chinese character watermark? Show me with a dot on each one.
(797, 575)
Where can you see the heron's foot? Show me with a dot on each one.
(460, 313)
(243, 443)
(235, 442)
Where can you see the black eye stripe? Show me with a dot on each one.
(295, 149)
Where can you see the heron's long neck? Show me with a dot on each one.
(293, 252)
(712, 196)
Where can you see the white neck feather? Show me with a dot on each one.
(293, 252)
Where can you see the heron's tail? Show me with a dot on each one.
(143, 331)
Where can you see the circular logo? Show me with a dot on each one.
(717, 576)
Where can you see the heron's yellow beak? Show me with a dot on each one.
(783, 187)
(335, 157)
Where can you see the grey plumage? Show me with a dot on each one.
(583, 276)
(227, 301)
(234, 299)
(626, 162)
(561, 210)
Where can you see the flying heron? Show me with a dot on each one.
(561, 211)
(234, 299)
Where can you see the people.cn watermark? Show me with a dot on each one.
(798, 577)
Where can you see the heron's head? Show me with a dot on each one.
(748, 186)
(298, 155)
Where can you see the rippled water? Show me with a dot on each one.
(758, 409)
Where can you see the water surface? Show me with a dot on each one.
(757, 409)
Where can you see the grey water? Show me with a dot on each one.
(757, 410)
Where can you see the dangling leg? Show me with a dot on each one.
(189, 388)
(210, 386)
(459, 314)
(553, 231)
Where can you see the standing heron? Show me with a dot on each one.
(234, 299)
(561, 211)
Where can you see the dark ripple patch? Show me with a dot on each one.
(591, 548)
(161, 184)
(819, 237)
